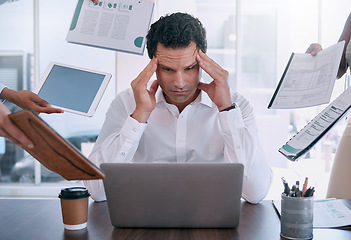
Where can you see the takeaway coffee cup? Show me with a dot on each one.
(74, 206)
(296, 217)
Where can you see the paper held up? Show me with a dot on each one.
(114, 25)
(308, 80)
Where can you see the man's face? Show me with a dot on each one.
(178, 74)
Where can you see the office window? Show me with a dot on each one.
(15, 51)
(20, 172)
(252, 39)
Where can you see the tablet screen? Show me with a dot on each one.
(72, 88)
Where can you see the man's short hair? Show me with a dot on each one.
(176, 30)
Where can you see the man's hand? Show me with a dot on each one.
(10, 131)
(218, 90)
(145, 99)
(27, 99)
(314, 48)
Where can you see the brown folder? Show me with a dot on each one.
(52, 150)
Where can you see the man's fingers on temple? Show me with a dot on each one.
(148, 71)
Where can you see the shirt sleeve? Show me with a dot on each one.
(241, 144)
(117, 141)
(2, 87)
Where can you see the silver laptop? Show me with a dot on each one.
(173, 195)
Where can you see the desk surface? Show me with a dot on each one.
(41, 219)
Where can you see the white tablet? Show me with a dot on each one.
(73, 89)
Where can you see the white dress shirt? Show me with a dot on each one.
(2, 87)
(200, 133)
(348, 54)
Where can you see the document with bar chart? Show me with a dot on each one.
(114, 25)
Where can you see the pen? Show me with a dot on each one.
(293, 191)
(309, 192)
(298, 193)
(312, 192)
(286, 187)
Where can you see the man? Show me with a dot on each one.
(24, 99)
(178, 118)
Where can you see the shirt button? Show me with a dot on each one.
(123, 153)
(134, 130)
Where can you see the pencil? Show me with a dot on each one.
(304, 188)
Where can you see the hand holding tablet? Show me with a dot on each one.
(73, 89)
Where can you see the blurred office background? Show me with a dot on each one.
(252, 39)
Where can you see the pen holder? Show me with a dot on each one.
(296, 217)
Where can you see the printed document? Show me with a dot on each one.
(119, 25)
(327, 213)
(308, 80)
(306, 138)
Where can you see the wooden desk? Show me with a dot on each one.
(41, 219)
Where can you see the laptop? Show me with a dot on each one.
(173, 195)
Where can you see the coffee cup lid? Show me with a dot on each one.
(74, 193)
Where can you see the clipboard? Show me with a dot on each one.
(303, 141)
(52, 150)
